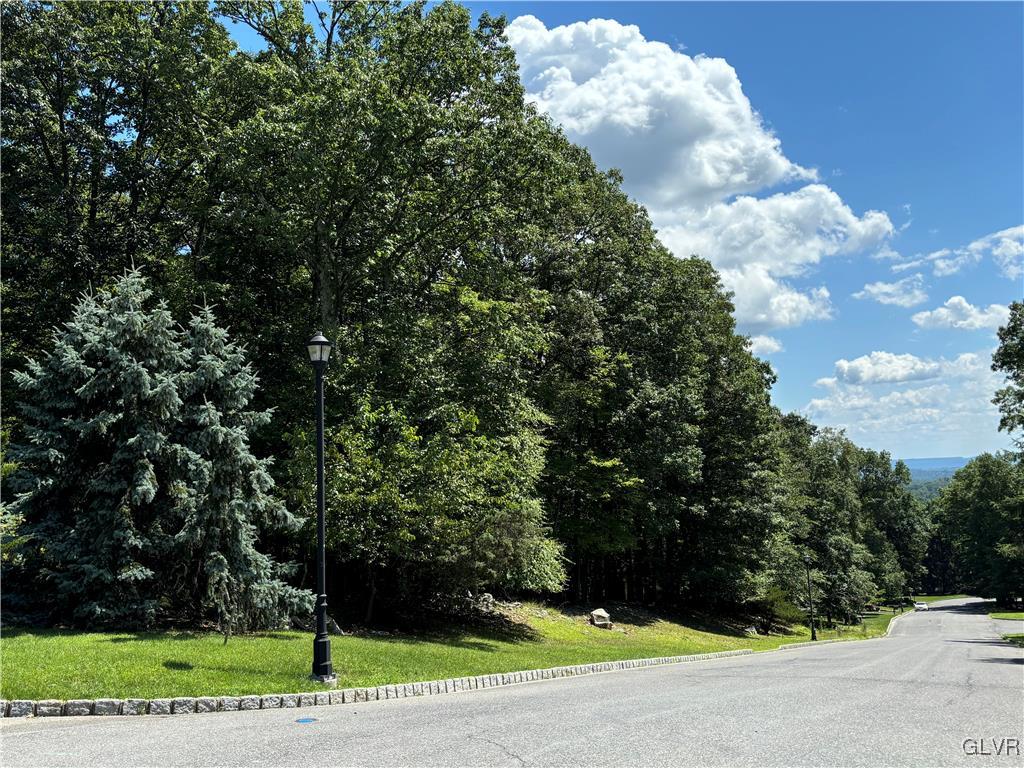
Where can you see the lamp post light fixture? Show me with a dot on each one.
(323, 672)
(810, 595)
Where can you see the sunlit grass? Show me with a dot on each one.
(62, 664)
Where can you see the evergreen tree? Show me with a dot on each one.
(228, 490)
(92, 470)
(136, 477)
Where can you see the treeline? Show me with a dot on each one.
(528, 392)
(978, 544)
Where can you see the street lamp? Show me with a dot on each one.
(319, 350)
(810, 596)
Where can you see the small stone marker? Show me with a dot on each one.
(600, 618)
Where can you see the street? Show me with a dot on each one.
(940, 686)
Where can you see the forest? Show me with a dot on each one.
(528, 393)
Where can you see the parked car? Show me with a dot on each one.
(920, 606)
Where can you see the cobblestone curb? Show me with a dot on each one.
(807, 643)
(23, 708)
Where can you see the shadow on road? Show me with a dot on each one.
(969, 608)
(989, 641)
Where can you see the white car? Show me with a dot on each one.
(920, 606)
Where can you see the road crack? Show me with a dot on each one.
(499, 745)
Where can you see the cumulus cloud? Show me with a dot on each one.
(680, 126)
(885, 367)
(908, 292)
(693, 149)
(948, 413)
(959, 313)
(765, 345)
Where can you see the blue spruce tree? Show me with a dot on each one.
(228, 489)
(138, 496)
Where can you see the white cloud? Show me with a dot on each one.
(1005, 248)
(905, 265)
(756, 243)
(958, 313)
(951, 414)
(888, 253)
(885, 367)
(908, 292)
(693, 149)
(693, 137)
(765, 345)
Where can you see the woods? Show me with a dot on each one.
(528, 392)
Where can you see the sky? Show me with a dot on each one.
(854, 171)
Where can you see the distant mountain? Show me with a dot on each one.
(924, 470)
(942, 462)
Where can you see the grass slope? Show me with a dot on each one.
(57, 664)
(1010, 615)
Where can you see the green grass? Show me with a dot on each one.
(62, 664)
(935, 598)
(1015, 639)
(1011, 615)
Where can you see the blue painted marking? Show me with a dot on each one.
(305, 720)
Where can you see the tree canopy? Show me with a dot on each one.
(528, 392)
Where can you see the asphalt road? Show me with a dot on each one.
(940, 678)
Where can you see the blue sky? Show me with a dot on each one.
(856, 172)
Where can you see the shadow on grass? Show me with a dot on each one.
(178, 666)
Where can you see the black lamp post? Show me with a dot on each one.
(319, 350)
(810, 596)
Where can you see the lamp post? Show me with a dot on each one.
(319, 350)
(810, 595)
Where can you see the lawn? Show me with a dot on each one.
(935, 598)
(1011, 615)
(1015, 639)
(65, 664)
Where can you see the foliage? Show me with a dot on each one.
(981, 517)
(927, 490)
(139, 497)
(1009, 360)
(528, 392)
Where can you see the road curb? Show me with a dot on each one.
(810, 643)
(201, 705)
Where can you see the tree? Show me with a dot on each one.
(137, 492)
(107, 135)
(229, 491)
(983, 511)
(1009, 359)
